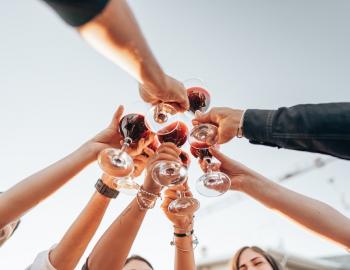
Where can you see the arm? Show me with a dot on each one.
(68, 252)
(37, 187)
(184, 255)
(120, 236)
(310, 213)
(111, 28)
(321, 128)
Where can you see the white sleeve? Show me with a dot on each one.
(42, 262)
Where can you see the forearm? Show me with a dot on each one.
(67, 253)
(116, 34)
(29, 192)
(184, 255)
(310, 213)
(112, 249)
(321, 128)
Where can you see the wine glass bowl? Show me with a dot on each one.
(169, 173)
(198, 96)
(203, 136)
(161, 116)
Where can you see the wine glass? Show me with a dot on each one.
(213, 182)
(117, 162)
(162, 118)
(183, 205)
(170, 173)
(198, 96)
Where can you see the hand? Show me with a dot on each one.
(226, 119)
(183, 222)
(142, 144)
(141, 160)
(238, 173)
(109, 137)
(171, 91)
(167, 151)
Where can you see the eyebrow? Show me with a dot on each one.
(243, 265)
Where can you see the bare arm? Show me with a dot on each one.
(113, 247)
(310, 213)
(184, 255)
(116, 35)
(37, 187)
(68, 252)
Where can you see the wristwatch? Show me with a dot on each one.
(105, 190)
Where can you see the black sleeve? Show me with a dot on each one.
(320, 128)
(77, 12)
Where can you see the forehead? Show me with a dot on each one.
(136, 265)
(247, 255)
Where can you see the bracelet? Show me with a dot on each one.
(149, 193)
(240, 126)
(195, 243)
(145, 199)
(184, 234)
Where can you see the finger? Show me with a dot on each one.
(140, 158)
(169, 146)
(164, 156)
(116, 117)
(201, 118)
(218, 155)
(149, 152)
(169, 151)
(165, 204)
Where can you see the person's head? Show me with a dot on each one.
(136, 262)
(254, 258)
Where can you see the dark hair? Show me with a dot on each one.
(272, 261)
(138, 258)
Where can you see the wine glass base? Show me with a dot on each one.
(127, 186)
(116, 163)
(213, 184)
(184, 206)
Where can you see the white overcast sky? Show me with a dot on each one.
(56, 92)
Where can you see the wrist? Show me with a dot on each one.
(108, 181)
(153, 76)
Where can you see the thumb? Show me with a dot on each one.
(116, 117)
(200, 117)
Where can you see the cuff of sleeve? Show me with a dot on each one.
(257, 125)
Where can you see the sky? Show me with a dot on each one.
(56, 93)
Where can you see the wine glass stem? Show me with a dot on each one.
(209, 164)
(126, 144)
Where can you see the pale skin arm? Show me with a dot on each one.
(184, 255)
(112, 249)
(37, 187)
(68, 252)
(310, 213)
(116, 35)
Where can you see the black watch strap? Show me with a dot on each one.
(184, 234)
(105, 190)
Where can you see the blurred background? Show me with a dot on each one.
(56, 93)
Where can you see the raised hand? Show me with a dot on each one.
(226, 119)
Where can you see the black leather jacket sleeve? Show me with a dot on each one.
(77, 12)
(320, 128)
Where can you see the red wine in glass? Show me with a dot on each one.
(178, 136)
(201, 153)
(199, 99)
(185, 159)
(132, 126)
